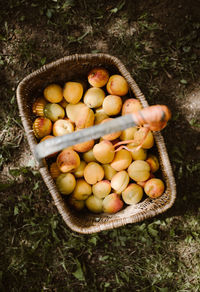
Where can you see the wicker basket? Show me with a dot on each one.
(77, 66)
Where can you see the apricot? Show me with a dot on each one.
(68, 160)
(84, 146)
(78, 172)
(117, 85)
(104, 151)
(76, 204)
(42, 127)
(137, 154)
(139, 137)
(121, 160)
(89, 156)
(128, 134)
(54, 170)
(154, 188)
(94, 97)
(152, 160)
(93, 173)
(73, 92)
(112, 203)
(54, 111)
(38, 106)
(62, 127)
(99, 116)
(112, 105)
(53, 93)
(101, 189)
(66, 183)
(109, 171)
(130, 106)
(80, 114)
(98, 77)
(139, 170)
(82, 190)
(94, 204)
(120, 181)
(111, 136)
(132, 194)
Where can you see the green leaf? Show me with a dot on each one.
(78, 274)
(43, 61)
(183, 81)
(49, 13)
(93, 240)
(16, 211)
(152, 231)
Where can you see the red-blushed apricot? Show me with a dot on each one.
(62, 127)
(130, 106)
(53, 93)
(98, 77)
(82, 190)
(152, 160)
(112, 105)
(111, 136)
(38, 106)
(89, 156)
(94, 204)
(93, 173)
(79, 171)
(154, 188)
(139, 136)
(139, 170)
(101, 189)
(94, 97)
(109, 171)
(73, 92)
(121, 160)
(66, 183)
(137, 154)
(80, 114)
(54, 170)
(120, 181)
(84, 146)
(117, 85)
(76, 204)
(42, 127)
(54, 111)
(104, 151)
(132, 194)
(128, 134)
(112, 203)
(68, 160)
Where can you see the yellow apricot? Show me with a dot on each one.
(73, 92)
(53, 93)
(120, 181)
(121, 160)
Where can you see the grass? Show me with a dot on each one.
(38, 252)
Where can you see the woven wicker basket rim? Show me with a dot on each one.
(96, 224)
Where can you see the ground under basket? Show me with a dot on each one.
(74, 67)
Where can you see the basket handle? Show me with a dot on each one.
(154, 117)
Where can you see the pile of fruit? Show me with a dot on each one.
(104, 174)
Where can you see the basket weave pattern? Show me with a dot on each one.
(74, 67)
